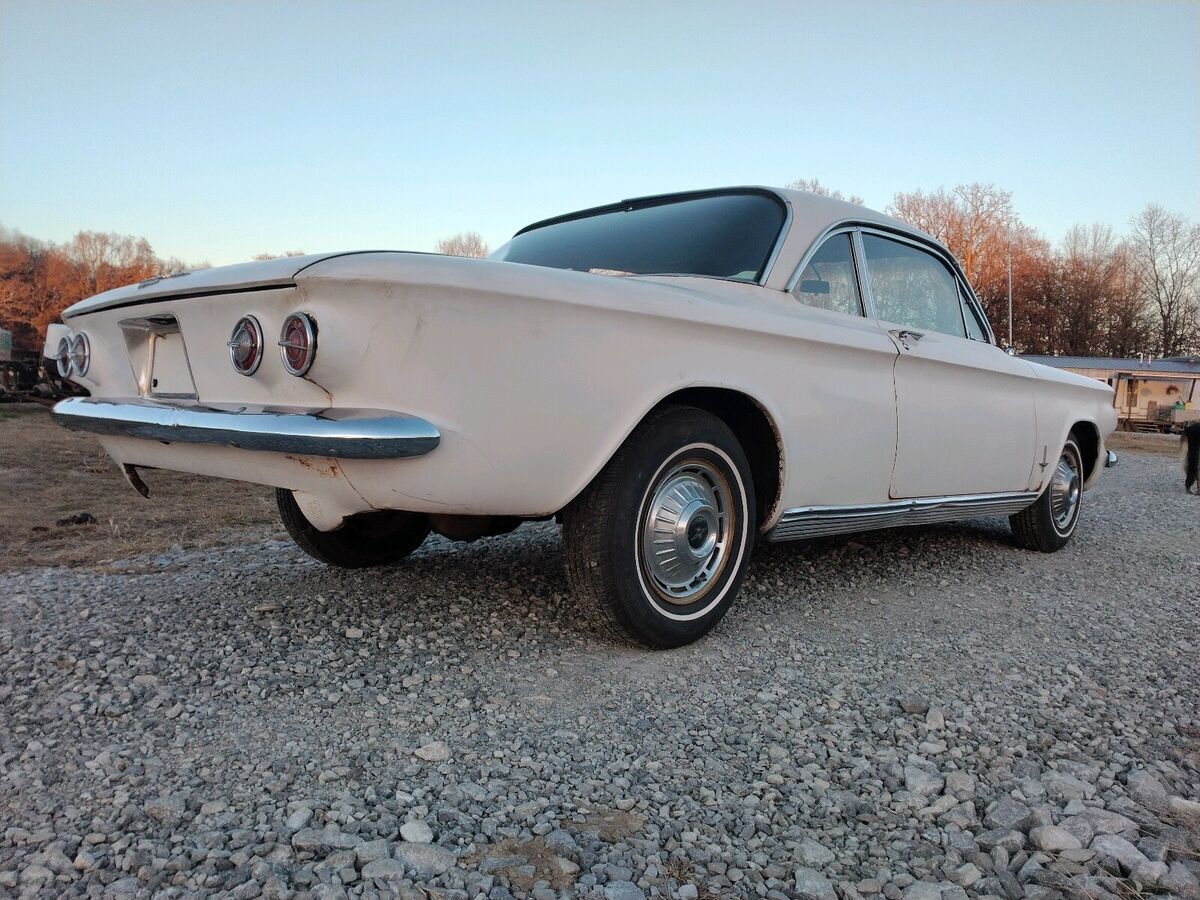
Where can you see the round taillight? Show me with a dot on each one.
(298, 343)
(246, 345)
(81, 354)
(62, 357)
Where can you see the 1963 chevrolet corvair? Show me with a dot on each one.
(672, 377)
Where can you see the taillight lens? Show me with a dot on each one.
(62, 358)
(81, 354)
(246, 345)
(298, 343)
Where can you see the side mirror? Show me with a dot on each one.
(814, 286)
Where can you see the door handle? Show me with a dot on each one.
(904, 335)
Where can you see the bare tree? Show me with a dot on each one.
(814, 186)
(261, 256)
(1165, 256)
(465, 243)
(973, 220)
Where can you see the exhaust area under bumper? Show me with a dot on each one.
(339, 433)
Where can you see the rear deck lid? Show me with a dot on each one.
(259, 275)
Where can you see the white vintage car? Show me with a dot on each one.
(672, 377)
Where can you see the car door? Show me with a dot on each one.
(965, 415)
(841, 405)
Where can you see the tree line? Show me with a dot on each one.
(1096, 292)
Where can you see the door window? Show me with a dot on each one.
(911, 287)
(828, 281)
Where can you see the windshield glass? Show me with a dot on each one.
(723, 236)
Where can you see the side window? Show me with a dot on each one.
(828, 281)
(911, 287)
(975, 329)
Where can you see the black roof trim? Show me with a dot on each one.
(656, 200)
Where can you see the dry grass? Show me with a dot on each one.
(48, 473)
(1166, 444)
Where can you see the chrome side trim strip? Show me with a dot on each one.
(819, 521)
(344, 433)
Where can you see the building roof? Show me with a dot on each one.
(1183, 365)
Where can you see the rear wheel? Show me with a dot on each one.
(368, 539)
(658, 544)
(1048, 523)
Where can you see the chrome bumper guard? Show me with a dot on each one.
(1110, 459)
(343, 433)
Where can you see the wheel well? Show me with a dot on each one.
(1088, 438)
(754, 429)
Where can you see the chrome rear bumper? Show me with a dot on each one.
(343, 433)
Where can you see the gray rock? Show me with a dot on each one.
(167, 810)
(1008, 814)
(922, 778)
(324, 840)
(812, 854)
(417, 832)
(960, 784)
(372, 851)
(1146, 790)
(299, 819)
(1149, 874)
(923, 890)
(561, 842)
(623, 890)
(425, 860)
(1052, 839)
(1007, 839)
(1114, 847)
(812, 885)
(384, 870)
(1063, 787)
(914, 704)
(1104, 822)
(438, 751)
(1180, 880)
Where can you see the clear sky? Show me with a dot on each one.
(220, 130)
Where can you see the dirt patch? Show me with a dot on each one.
(525, 863)
(611, 826)
(48, 474)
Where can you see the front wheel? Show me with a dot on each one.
(658, 544)
(368, 539)
(1048, 523)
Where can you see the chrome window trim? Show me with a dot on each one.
(342, 433)
(864, 282)
(921, 242)
(937, 252)
(821, 521)
(855, 257)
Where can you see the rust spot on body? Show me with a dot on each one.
(325, 471)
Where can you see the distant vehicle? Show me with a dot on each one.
(673, 377)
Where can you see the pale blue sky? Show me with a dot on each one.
(219, 130)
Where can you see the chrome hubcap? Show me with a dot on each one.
(686, 530)
(1065, 488)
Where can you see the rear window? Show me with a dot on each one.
(722, 236)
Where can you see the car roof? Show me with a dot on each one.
(809, 216)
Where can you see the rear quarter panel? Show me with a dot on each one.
(1064, 400)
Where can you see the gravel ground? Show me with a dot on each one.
(927, 714)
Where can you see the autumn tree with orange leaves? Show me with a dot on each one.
(39, 280)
